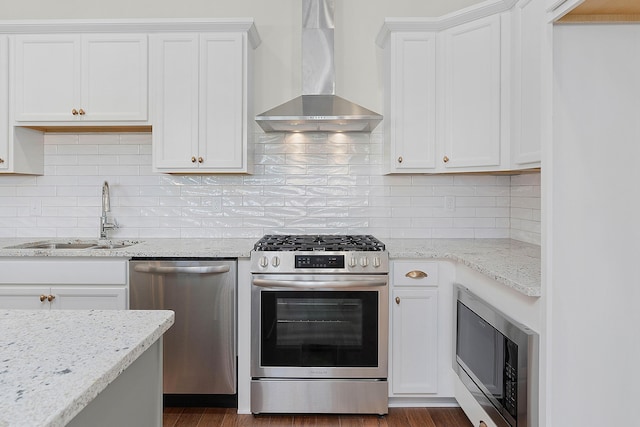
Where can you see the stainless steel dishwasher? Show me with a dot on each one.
(200, 349)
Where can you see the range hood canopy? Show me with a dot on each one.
(318, 109)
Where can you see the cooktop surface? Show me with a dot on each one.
(321, 242)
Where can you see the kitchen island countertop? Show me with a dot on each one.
(54, 363)
(511, 262)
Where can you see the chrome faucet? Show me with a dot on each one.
(106, 207)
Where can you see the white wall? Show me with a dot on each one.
(593, 285)
(277, 60)
(308, 184)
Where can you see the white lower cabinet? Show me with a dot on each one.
(63, 297)
(414, 328)
(64, 283)
(414, 344)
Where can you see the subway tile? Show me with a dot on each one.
(330, 183)
(99, 138)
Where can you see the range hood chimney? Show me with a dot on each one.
(318, 109)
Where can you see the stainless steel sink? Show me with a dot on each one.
(76, 244)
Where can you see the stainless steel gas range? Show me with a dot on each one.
(319, 324)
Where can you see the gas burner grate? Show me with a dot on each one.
(326, 242)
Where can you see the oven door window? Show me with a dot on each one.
(319, 328)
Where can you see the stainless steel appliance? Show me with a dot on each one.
(200, 349)
(496, 358)
(319, 324)
(318, 109)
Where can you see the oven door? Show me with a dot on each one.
(319, 326)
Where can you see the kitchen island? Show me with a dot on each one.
(81, 367)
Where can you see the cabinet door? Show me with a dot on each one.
(24, 297)
(4, 103)
(527, 111)
(174, 96)
(47, 77)
(85, 298)
(412, 102)
(114, 77)
(471, 98)
(222, 103)
(414, 318)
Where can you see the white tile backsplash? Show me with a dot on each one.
(302, 183)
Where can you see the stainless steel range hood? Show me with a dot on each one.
(318, 109)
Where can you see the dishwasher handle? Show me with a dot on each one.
(153, 269)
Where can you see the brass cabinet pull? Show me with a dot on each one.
(416, 274)
(43, 298)
(81, 112)
(200, 160)
(193, 159)
(397, 300)
(482, 424)
(445, 159)
(74, 112)
(51, 298)
(1, 160)
(400, 159)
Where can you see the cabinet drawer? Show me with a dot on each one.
(63, 271)
(410, 273)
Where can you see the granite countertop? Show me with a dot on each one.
(515, 264)
(54, 363)
(220, 248)
(511, 262)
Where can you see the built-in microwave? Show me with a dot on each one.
(496, 358)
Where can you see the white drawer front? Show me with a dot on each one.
(63, 271)
(414, 273)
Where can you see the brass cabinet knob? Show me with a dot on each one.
(482, 424)
(1, 160)
(81, 112)
(445, 159)
(397, 300)
(200, 160)
(74, 112)
(400, 159)
(416, 274)
(51, 298)
(193, 159)
(43, 298)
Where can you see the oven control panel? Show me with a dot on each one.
(309, 262)
(319, 261)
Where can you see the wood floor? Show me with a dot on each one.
(397, 417)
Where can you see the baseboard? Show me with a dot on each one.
(423, 402)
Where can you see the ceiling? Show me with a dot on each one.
(605, 11)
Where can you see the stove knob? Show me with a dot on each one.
(264, 262)
(376, 261)
(275, 261)
(353, 262)
(364, 261)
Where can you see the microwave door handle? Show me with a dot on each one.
(217, 269)
(313, 284)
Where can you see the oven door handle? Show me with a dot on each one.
(313, 284)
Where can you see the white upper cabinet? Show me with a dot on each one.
(471, 79)
(80, 78)
(21, 150)
(528, 70)
(4, 104)
(444, 99)
(488, 86)
(410, 131)
(201, 102)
